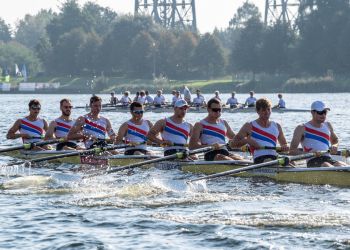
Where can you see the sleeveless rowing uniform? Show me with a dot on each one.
(317, 139)
(251, 101)
(158, 101)
(141, 99)
(177, 134)
(61, 130)
(281, 104)
(97, 129)
(137, 133)
(233, 102)
(125, 100)
(264, 137)
(213, 133)
(34, 129)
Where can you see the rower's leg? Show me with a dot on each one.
(220, 157)
(339, 164)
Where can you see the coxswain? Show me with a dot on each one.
(261, 133)
(199, 100)
(172, 132)
(125, 99)
(213, 131)
(232, 101)
(31, 128)
(60, 127)
(92, 128)
(317, 135)
(159, 99)
(135, 131)
(251, 100)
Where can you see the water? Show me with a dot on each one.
(155, 209)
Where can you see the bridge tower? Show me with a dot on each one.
(178, 14)
(285, 11)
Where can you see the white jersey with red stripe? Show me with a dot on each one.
(34, 129)
(176, 133)
(94, 128)
(213, 133)
(264, 137)
(63, 127)
(137, 133)
(316, 139)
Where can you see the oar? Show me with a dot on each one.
(284, 161)
(28, 146)
(179, 155)
(80, 152)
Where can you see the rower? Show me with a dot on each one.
(261, 132)
(251, 100)
(317, 135)
(216, 95)
(187, 94)
(135, 131)
(60, 127)
(113, 100)
(212, 131)
(137, 95)
(199, 100)
(176, 97)
(31, 128)
(232, 101)
(142, 97)
(92, 128)
(149, 99)
(174, 130)
(159, 99)
(281, 103)
(125, 100)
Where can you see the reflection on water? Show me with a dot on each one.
(54, 207)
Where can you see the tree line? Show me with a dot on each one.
(93, 40)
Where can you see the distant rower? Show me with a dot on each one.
(31, 128)
(199, 100)
(232, 101)
(113, 100)
(281, 103)
(251, 100)
(125, 100)
(135, 131)
(159, 99)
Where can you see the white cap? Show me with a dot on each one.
(180, 103)
(319, 106)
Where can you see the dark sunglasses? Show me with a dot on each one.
(138, 112)
(68, 107)
(216, 109)
(323, 112)
(183, 108)
(35, 107)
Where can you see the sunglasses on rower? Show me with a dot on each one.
(35, 107)
(138, 112)
(216, 109)
(323, 112)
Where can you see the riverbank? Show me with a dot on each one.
(262, 84)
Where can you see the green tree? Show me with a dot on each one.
(244, 13)
(5, 34)
(32, 28)
(88, 52)
(165, 44)
(209, 57)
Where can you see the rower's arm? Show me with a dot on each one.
(46, 125)
(230, 134)
(50, 133)
(242, 137)
(282, 139)
(195, 137)
(110, 131)
(11, 134)
(333, 137)
(296, 140)
(122, 133)
(153, 134)
(76, 132)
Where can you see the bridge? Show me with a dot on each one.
(181, 14)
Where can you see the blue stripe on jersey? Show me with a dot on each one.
(174, 132)
(263, 138)
(88, 127)
(30, 129)
(132, 132)
(66, 130)
(212, 133)
(317, 138)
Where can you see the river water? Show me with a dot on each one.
(154, 209)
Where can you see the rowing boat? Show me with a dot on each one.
(338, 176)
(203, 110)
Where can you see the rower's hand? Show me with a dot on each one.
(166, 143)
(285, 148)
(333, 149)
(217, 146)
(25, 136)
(252, 143)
